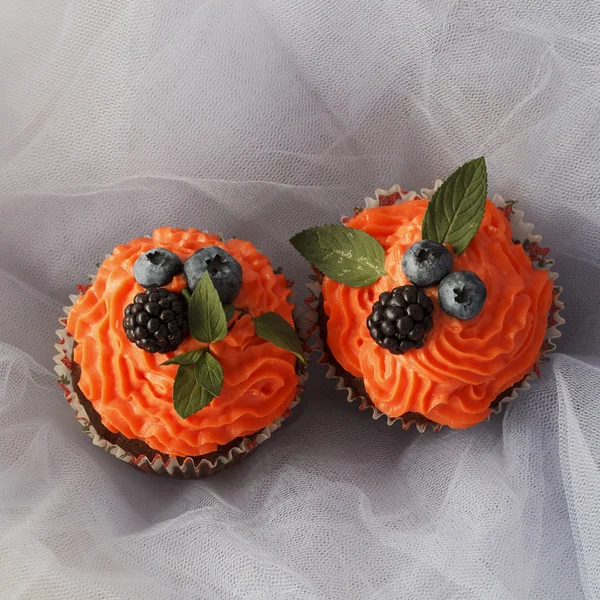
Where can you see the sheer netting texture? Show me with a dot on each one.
(259, 118)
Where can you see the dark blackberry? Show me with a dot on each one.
(400, 319)
(156, 320)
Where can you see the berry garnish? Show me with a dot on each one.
(462, 295)
(156, 320)
(225, 272)
(426, 263)
(156, 267)
(400, 319)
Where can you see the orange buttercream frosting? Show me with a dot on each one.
(463, 365)
(133, 393)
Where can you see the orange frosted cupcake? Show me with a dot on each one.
(435, 308)
(181, 355)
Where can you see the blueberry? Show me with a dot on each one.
(426, 262)
(156, 267)
(225, 272)
(462, 295)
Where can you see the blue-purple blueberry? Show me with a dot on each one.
(426, 262)
(462, 295)
(225, 272)
(156, 267)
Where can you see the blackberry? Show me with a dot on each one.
(400, 319)
(156, 320)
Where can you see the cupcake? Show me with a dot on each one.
(181, 355)
(432, 309)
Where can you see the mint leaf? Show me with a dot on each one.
(209, 374)
(274, 328)
(229, 311)
(196, 386)
(188, 358)
(456, 209)
(348, 256)
(187, 394)
(205, 313)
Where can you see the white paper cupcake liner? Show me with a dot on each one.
(184, 468)
(522, 232)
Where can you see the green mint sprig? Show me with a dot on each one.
(272, 327)
(456, 209)
(197, 385)
(349, 256)
(205, 313)
(354, 258)
(200, 376)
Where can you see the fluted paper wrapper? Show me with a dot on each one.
(178, 467)
(315, 320)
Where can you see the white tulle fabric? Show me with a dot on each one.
(259, 118)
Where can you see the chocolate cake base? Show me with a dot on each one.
(139, 448)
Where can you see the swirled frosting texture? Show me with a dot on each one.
(464, 365)
(133, 393)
